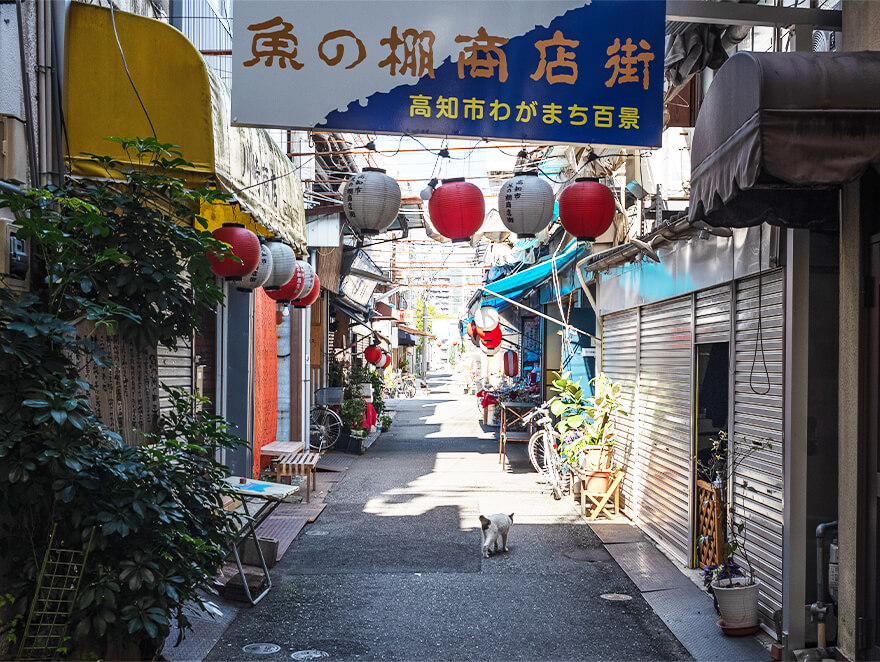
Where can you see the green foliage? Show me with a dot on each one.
(593, 415)
(378, 382)
(335, 373)
(352, 411)
(131, 251)
(125, 256)
(385, 421)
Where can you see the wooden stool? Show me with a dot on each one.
(600, 501)
(299, 464)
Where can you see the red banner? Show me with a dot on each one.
(265, 375)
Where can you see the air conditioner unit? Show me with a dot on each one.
(14, 255)
(825, 41)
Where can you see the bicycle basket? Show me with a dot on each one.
(329, 396)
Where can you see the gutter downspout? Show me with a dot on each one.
(28, 108)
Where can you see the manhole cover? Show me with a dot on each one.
(261, 649)
(316, 532)
(615, 596)
(310, 654)
(587, 555)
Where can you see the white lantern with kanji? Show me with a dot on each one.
(526, 203)
(260, 275)
(371, 201)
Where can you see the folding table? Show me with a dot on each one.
(266, 497)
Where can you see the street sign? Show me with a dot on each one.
(561, 71)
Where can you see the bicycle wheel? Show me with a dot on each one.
(553, 468)
(536, 452)
(324, 428)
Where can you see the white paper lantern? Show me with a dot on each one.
(525, 203)
(371, 200)
(308, 277)
(283, 263)
(259, 276)
(487, 319)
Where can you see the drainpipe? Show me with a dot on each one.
(26, 93)
(819, 609)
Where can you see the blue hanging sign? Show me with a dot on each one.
(560, 71)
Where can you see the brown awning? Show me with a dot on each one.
(778, 133)
(415, 332)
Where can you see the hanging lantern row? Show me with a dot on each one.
(526, 204)
(270, 264)
(492, 339)
(586, 208)
(371, 200)
(386, 362)
(511, 363)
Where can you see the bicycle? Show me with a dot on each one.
(543, 449)
(325, 425)
(408, 386)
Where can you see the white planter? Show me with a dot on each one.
(366, 392)
(738, 604)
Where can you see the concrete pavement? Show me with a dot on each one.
(392, 569)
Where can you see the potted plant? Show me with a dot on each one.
(732, 580)
(385, 420)
(587, 425)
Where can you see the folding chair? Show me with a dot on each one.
(600, 501)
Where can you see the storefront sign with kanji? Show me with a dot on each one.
(565, 71)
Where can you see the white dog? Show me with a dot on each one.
(495, 527)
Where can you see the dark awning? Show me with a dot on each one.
(403, 338)
(779, 132)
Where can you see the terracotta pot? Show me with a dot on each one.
(595, 482)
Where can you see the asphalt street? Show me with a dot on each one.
(392, 569)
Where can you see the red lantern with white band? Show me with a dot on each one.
(311, 296)
(511, 363)
(487, 319)
(386, 360)
(374, 354)
(292, 289)
(457, 209)
(283, 263)
(243, 244)
(586, 208)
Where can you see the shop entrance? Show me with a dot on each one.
(712, 386)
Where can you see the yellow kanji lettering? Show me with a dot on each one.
(495, 110)
(526, 111)
(447, 107)
(473, 108)
(604, 116)
(551, 113)
(578, 115)
(629, 118)
(421, 105)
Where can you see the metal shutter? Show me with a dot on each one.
(760, 415)
(712, 308)
(620, 337)
(175, 368)
(663, 470)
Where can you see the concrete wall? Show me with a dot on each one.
(861, 25)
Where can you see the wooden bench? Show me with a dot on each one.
(283, 448)
(298, 464)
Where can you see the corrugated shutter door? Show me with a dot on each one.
(175, 368)
(620, 336)
(712, 315)
(758, 414)
(665, 427)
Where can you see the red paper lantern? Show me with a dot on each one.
(309, 298)
(374, 354)
(293, 289)
(469, 329)
(457, 209)
(244, 245)
(492, 339)
(511, 363)
(586, 208)
(386, 361)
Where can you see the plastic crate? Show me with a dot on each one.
(329, 396)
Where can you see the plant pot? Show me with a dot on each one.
(595, 482)
(738, 604)
(596, 458)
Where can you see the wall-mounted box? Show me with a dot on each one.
(13, 150)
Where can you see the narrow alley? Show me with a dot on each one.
(392, 568)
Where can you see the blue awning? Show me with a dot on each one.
(515, 285)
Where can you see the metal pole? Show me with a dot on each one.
(535, 312)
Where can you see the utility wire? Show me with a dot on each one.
(127, 73)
